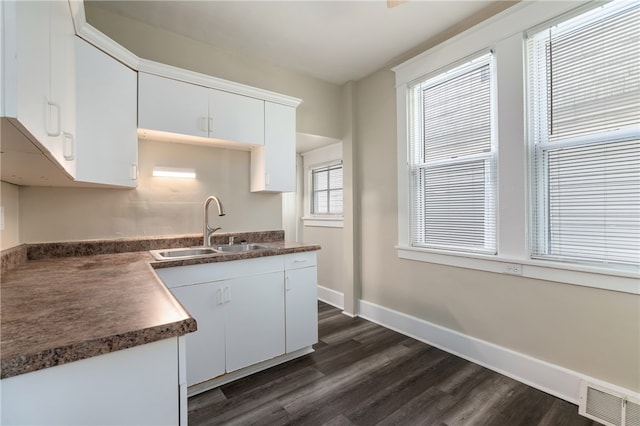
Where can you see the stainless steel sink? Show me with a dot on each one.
(235, 248)
(182, 253)
(193, 252)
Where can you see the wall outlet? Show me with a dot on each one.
(513, 268)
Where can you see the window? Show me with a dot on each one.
(326, 190)
(584, 131)
(541, 227)
(452, 159)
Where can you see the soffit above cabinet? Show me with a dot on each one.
(90, 34)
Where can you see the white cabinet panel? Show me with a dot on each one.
(206, 346)
(26, 64)
(273, 167)
(135, 386)
(301, 292)
(106, 137)
(62, 90)
(236, 118)
(300, 260)
(38, 73)
(219, 271)
(254, 320)
(173, 106)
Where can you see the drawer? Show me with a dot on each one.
(207, 272)
(300, 260)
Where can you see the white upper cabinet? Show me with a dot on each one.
(173, 106)
(106, 139)
(26, 75)
(273, 167)
(235, 117)
(39, 75)
(62, 59)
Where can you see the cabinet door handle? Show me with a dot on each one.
(300, 260)
(134, 171)
(219, 296)
(68, 146)
(48, 114)
(287, 285)
(210, 126)
(227, 294)
(203, 124)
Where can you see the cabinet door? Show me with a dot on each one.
(236, 118)
(62, 90)
(134, 386)
(106, 136)
(254, 317)
(273, 167)
(206, 346)
(25, 32)
(301, 308)
(172, 106)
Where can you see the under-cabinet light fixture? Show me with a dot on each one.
(174, 172)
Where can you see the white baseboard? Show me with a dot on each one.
(332, 297)
(552, 379)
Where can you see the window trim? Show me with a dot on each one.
(505, 35)
(452, 71)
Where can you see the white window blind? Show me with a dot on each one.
(452, 159)
(326, 190)
(584, 94)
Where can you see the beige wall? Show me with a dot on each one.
(9, 200)
(331, 268)
(319, 113)
(592, 331)
(159, 206)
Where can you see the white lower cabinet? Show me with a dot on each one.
(205, 347)
(239, 323)
(243, 313)
(135, 386)
(301, 307)
(254, 320)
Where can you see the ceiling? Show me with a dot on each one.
(336, 41)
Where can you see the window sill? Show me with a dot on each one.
(323, 222)
(588, 276)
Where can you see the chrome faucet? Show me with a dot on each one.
(208, 231)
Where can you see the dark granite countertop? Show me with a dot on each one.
(62, 302)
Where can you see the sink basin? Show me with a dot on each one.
(192, 252)
(182, 253)
(235, 248)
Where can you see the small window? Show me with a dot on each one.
(453, 159)
(326, 190)
(584, 127)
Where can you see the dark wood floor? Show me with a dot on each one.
(364, 374)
